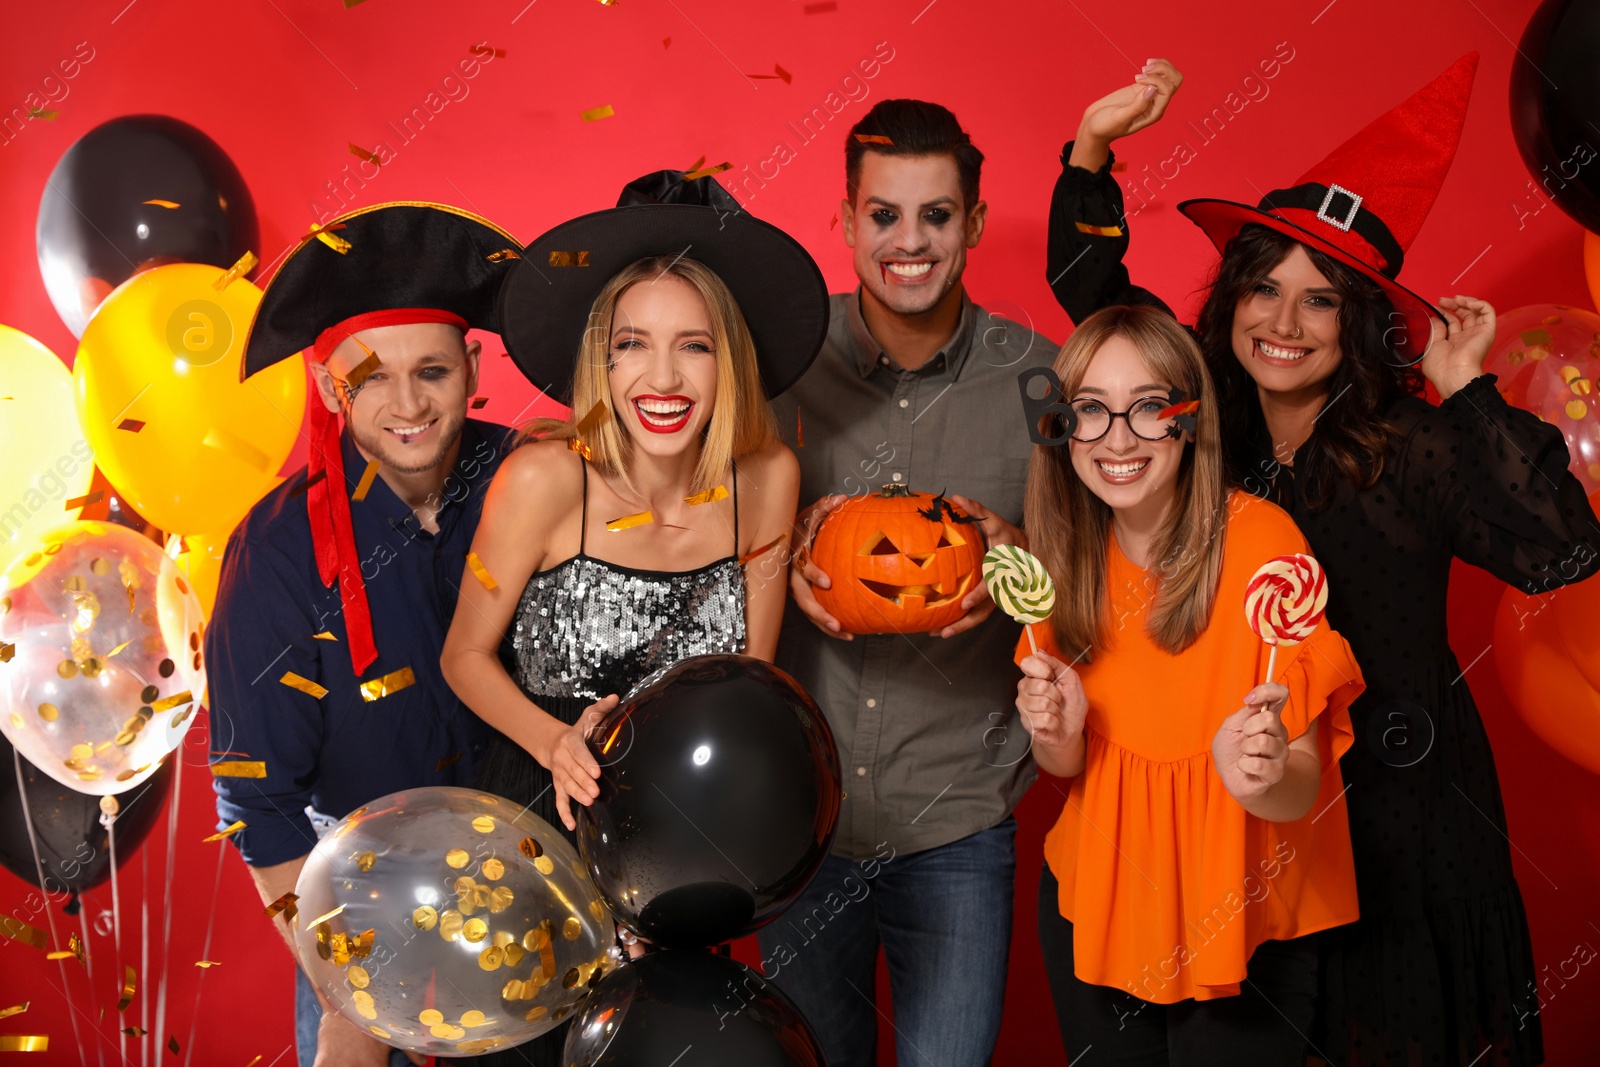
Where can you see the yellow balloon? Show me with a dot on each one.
(199, 560)
(185, 442)
(47, 462)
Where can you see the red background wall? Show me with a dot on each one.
(285, 85)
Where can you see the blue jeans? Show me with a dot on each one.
(943, 917)
(307, 1014)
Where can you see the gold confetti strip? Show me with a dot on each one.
(167, 703)
(873, 138)
(307, 484)
(305, 685)
(799, 430)
(498, 53)
(821, 8)
(1119, 166)
(119, 648)
(255, 1061)
(225, 833)
(393, 682)
(608, 3)
(74, 950)
(84, 501)
(569, 259)
(319, 920)
(6, 652)
(328, 237)
(134, 1031)
(756, 553)
(706, 172)
(24, 1042)
(207, 964)
(16, 1009)
(503, 255)
(447, 761)
(170, 205)
(131, 425)
(232, 444)
(478, 402)
(1099, 231)
(595, 114)
(364, 486)
(130, 986)
(481, 572)
(593, 418)
(363, 370)
(363, 155)
(348, 4)
(18, 930)
(628, 522)
(284, 904)
(172, 1045)
(239, 769)
(710, 496)
(696, 165)
(326, 635)
(41, 113)
(245, 265)
(576, 445)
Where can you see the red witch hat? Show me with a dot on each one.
(1365, 202)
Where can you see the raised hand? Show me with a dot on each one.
(1457, 348)
(1251, 747)
(1125, 111)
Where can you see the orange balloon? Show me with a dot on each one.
(1591, 264)
(1546, 688)
(1576, 610)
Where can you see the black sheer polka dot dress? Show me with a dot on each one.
(1439, 969)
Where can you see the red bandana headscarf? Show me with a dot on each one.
(327, 500)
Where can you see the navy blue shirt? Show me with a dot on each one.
(339, 751)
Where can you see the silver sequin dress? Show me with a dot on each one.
(585, 629)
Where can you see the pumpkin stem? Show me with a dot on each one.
(895, 489)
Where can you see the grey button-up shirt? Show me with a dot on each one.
(927, 727)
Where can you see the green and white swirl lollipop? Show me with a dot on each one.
(1020, 585)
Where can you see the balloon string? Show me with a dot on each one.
(144, 954)
(88, 967)
(167, 907)
(38, 866)
(110, 823)
(205, 954)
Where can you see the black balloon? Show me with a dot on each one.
(137, 192)
(72, 844)
(1555, 105)
(719, 797)
(705, 1010)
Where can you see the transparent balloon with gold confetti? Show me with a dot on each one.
(1547, 359)
(100, 656)
(449, 922)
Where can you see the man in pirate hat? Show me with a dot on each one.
(338, 587)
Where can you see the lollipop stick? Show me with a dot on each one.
(1027, 628)
(1272, 660)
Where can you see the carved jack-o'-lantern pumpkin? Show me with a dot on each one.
(900, 562)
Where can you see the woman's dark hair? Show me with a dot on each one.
(1353, 443)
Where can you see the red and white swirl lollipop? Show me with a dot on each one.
(1285, 601)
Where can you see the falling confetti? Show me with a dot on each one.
(365, 484)
(389, 684)
(569, 259)
(305, 685)
(481, 572)
(245, 265)
(1099, 231)
(710, 496)
(822, 8)
(478, 402)
(364, 155)
(239, 769)
(170, 205)
(873, 138)
(226, 833)
(628, 522)
(131, 425)
(84, 501)
(595, 114)
(706, 172)
(130, 987)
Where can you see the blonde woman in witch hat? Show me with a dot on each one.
(1320, 357)
(619, 541)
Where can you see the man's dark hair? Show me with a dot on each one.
(913, 128)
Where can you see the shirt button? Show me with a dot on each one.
(861, 772)
(884, 360)
(905, 403)
(897, 477)
(871, 703)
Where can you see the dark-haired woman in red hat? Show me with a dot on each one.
(1321, 359)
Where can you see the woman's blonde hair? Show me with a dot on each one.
(1069, 527)
(741, 421)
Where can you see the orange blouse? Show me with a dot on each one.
(1169, 883)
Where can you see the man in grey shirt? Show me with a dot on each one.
(916, 386)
